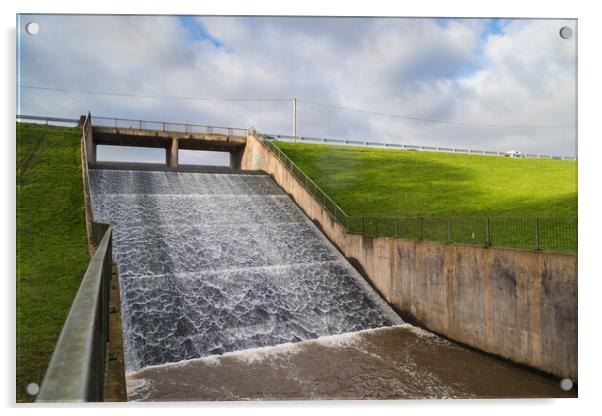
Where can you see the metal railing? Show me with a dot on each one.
(76, 371)
(88, 140)
(77, 367)
(545, 233)
(373, 144)
(332, 207)
(124, 123)
(48, 120)
(529, 233)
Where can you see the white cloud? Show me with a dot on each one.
(453, 70)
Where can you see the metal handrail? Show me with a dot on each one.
(47, 119)
(306, 181)
(168, 126)
(87, 130)
(76, 369)
(365, 143)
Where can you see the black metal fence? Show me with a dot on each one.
(549, 234)
(529, 233)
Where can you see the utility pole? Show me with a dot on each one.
(294, 120)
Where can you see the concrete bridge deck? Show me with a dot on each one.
(163, 139)
(155, 167)
(171, 137)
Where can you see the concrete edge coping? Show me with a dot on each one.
(158, 167)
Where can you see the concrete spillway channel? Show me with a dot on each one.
(229, 292)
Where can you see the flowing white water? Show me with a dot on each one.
(215, 263)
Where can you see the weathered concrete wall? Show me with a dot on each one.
(236, 158)
(521, 305)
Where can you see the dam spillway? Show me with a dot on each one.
(214, 263)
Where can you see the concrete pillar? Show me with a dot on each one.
(172, 153)
(236, 158)
(92, 153)
(90, 145)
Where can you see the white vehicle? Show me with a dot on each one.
(513, 153)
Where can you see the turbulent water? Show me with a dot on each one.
(396, 362)
(215, 263)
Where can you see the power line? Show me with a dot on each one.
(160, 97)
(338, 107)
(431, 120)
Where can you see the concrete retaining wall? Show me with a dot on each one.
(520, 305)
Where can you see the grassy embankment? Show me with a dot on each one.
(51, 242)
(387, 183)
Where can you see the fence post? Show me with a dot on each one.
(163, 126)
(397, 227)
(139, 124)
(420, 227)
(449, 235)
(537, 244)
(488, 242)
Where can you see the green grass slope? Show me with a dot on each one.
(395, 183)
(51, 242)
(408, 183)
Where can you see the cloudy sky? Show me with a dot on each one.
(494, 84)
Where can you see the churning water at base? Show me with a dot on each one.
(396, 362)
(215, 263)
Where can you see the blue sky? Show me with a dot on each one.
(197, 30)
(490, 71)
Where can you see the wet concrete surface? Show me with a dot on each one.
(399, 362)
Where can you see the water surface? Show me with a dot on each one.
(214, 263)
